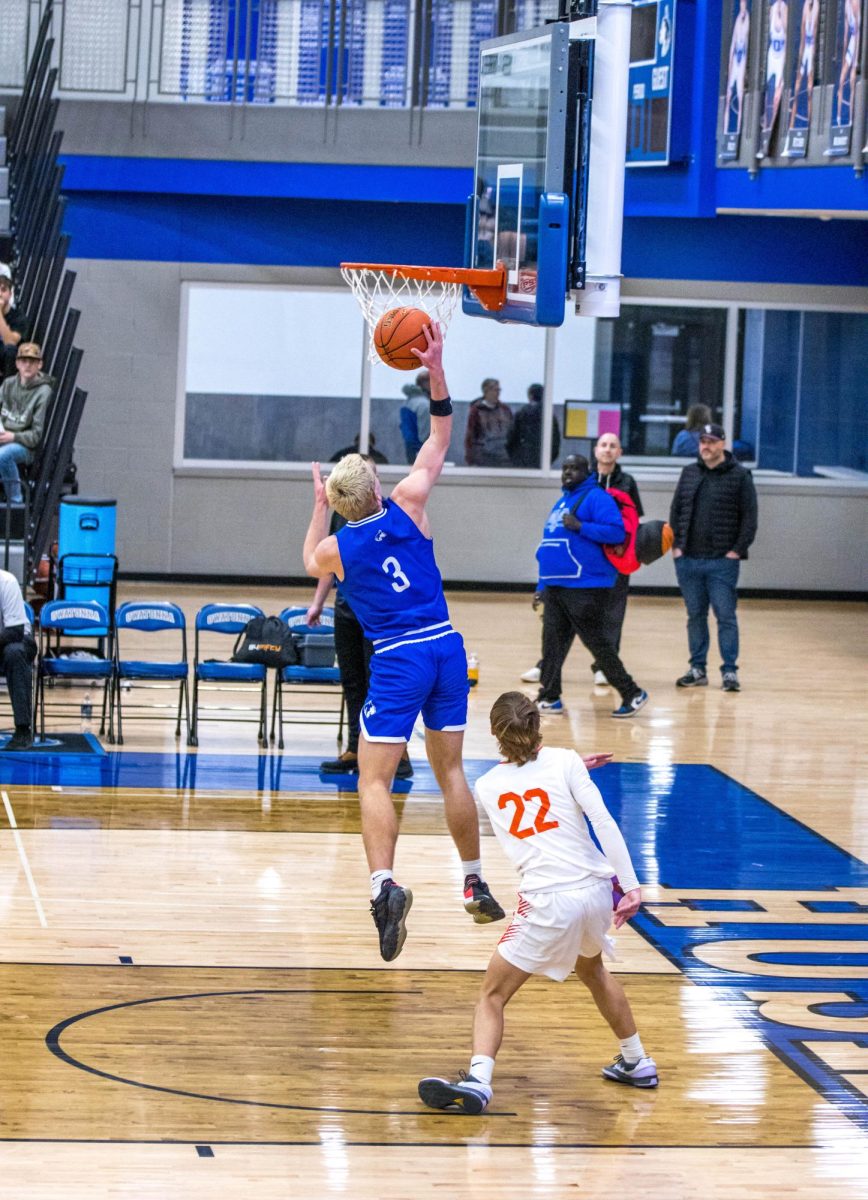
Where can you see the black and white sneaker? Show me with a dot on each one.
(730, 682)
(630, 707)
(695, 677)
(389, 911)
(469, 1096)
(479, 902)
(641, 1074)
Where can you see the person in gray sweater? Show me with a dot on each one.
(24, 402)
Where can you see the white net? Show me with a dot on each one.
(378, 291)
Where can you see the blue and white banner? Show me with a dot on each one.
(736, 74)
(649, 113)
(845, 68)
(806, 43)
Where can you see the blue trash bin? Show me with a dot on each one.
(86, 526)
(87, 567)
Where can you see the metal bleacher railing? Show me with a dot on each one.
(376, 53)
(37, 249)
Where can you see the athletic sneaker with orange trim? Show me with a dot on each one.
(479, 902)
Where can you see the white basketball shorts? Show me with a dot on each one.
(550, 930)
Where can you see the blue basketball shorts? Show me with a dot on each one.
(427, 677)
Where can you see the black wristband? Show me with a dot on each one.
(440, 408)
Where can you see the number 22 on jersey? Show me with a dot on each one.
(518, 828)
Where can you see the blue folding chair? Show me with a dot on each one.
(229, 619)
(152, 616)
(314, 680)
(78, 619)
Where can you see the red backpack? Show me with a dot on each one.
(643, 542)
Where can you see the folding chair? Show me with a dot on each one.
(227, 619)
(152, 616)
(314, 680)
(78, 619)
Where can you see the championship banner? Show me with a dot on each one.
(802, 92)
(733, 107)
(776, 55)
(585, 420)
(845, 65)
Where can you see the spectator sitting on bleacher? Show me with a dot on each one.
(23, 403)
(14, 324)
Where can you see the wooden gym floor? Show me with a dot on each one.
(192, 1002)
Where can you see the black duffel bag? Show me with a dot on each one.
(267, 641)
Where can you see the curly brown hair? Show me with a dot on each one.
(515, 724)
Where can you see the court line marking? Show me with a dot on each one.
(22, 854)
(462, 1145)
(52, 1041)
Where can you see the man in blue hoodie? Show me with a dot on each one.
(575, 578)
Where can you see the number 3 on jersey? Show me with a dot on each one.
(540, 824)
(392, 567)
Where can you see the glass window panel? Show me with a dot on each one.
(475, 349)
(272, 374)
(833, 397)
(656, 362)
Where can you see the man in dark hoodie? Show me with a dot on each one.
(23, 404)
(714, 519)
(607, 451)
(575, 578)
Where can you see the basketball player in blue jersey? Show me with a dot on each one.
(807, 49)
(384, 560)
(738, 63)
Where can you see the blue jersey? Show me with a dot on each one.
(391, 580)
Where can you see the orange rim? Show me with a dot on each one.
(489, 287)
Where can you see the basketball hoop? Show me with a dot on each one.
(379, 287)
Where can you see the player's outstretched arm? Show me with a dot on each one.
(321, 554)
(412, 492)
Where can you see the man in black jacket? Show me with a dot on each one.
(524, 443)
(609, 474)
(714, 519)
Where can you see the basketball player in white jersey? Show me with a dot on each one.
(850, 59)
(807, 52)
(738, 62)
(777, 52)
(537, 801)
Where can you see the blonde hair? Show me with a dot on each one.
(515, 724)
(350, 488)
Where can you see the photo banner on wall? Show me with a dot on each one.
(845, 66)
(733, 107)
(805, 38)
(776, 58)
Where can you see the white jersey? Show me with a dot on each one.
(538, 814)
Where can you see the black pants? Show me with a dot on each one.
(18, 668)
(579, 611)
(354, 656)
(613, 617)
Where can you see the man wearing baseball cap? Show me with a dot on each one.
(714, 519)
(23, 403)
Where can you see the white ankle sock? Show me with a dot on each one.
(472, 867)
(482, 1068)
(632, 1049)
(378, 878)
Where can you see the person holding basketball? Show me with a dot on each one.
(537, 800)
(384, 560)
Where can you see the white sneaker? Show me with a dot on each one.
(600, 679)
(531, 676)
(641, 1074)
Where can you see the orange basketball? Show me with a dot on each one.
(398, 332)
